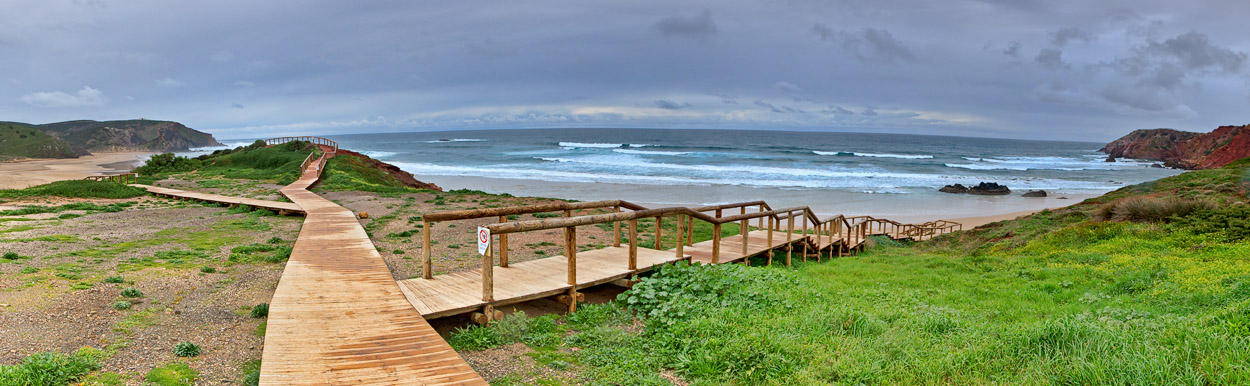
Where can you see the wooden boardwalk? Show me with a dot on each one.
(283, 208)
(731, 247)
(461, 292)
(338, 317)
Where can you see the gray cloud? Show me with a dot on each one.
(832, 109)
(670, 105)
(1050, 58)
(1070, 34)
(700, 26)
(868, 44)
(869, 111)
(787, 87)
(1195, 51)
(236, 105)
(727, 99)
(1013, 49)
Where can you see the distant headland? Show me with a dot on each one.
(78, 138)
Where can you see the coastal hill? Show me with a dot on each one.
(1183, 149)
(75, 138)
(26, 141)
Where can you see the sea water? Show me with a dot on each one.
(831, 171)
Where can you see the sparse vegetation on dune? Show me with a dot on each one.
(1059, 297)
(75, 189)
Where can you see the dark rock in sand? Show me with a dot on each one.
(956, 188)
(1035, 193)
(1156, 165)
(989, 189)
(1110, 159)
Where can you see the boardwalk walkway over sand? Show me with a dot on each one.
(339, 317)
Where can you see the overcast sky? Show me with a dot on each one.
(1070, 70)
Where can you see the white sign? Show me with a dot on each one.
(483, 240)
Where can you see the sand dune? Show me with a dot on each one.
(31, 172)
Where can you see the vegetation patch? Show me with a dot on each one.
(172, 374)
(76, 189)
(51, 368)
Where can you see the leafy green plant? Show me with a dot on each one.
(187, 349)
(12, 256)
(49, 368)
(131, 292)
(260, 310)
(172, 374)
(121, 305)
(208, 269)
(29, 269)
(114, 279)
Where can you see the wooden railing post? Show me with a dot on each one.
(570, 252)
(503, 245)
(633, 244)
(805, 239)
(659, 226)
(716, 242)
(488, 276)
(771, 219)
(681, 235)
(616, 229)
(689, 231)
(762, 218)
(427, 262)
(745, 229)
(789, 236)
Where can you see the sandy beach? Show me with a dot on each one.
(31, 172)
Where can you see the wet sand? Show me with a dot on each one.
(31, 172)
(971, 210)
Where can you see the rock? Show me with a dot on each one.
(1035, 193)
(1110, 159)
(1062, 198)
(989, 189)
(1184, 150)
(956, 188)
(363, 215)
(1156, 165)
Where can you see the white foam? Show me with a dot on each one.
(1044, 163)
(874, 155)
(378, 154)
(649, 152)
(457, 140)
(592, 145)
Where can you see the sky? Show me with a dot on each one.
(1029, 69)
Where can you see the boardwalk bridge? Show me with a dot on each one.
(339, 317)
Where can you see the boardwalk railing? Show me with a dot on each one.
(314, 140)
(125, 178)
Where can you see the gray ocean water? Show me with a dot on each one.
(805, 163)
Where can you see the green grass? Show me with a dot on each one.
(76, 189)
(22, 140)
(84, 206)
(1059, 297)
(172, 374)
(51, 369)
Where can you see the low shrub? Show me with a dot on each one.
(168, 163)
(1150, 209)
(131, 292)
(114, 279)
(30, 270)
(76, 189)
(187, 349)
(260, 310)
(51, 368)
(121, 305)
(208, 269)
(11, 256)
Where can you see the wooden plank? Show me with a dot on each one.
(289, 207)
(338, 317)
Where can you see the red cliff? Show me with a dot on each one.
(1184, 149)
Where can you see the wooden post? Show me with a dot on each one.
(745, 229)
(659, 226)
(427, 262)
(503, 245)
(805, 239)
(681, 234)
(762, 218)
(689, 231)
(789, 236)
(716, 243)
(820, 228)
(633, 244)
(616, 230)
(770, 240)
(570, 252)
(488, 276)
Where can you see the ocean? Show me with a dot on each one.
(833, 172)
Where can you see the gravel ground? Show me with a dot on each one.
(66, 304)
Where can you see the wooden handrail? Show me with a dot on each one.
(314, 140)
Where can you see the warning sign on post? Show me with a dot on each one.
(483, 240)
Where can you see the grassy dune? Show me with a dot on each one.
(1059, 297)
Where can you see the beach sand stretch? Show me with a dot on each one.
(30, 172)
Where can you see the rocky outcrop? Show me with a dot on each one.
(131, 135)
(1182, 149)
(984, 188)
(1035, 193)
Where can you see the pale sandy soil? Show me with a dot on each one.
(31, 172)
